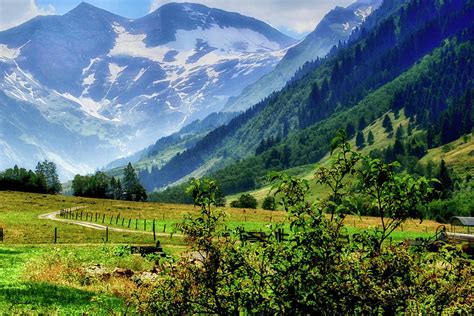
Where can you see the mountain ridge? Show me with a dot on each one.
(94, 71)
(335, 27)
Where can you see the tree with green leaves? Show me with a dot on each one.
(133, 190)
(245, 201)
(360, 140)
(269, 203)
(387, 124)
(370, 138)
(47, 170)
(350, 130)
(446, 184)
(395, 198)
(400, 132)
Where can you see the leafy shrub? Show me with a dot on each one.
(245, 201)
(319, 267)
(269, 203)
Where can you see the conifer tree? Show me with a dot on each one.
(350, 130)
(360, 140)
(400, 132)
(387, 124)
(134, 191)
(370, 138)
(446, 184)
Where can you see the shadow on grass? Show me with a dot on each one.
(49, 296)
(6, 251)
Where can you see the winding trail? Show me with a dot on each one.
(53, 216)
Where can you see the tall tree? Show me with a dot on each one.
(134, 191)
(400, 132)
(446, 184)
(360, 140)
(350, 130)
(387, 124)
(47, 169)
(370, 138)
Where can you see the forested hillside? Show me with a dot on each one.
(418, 60)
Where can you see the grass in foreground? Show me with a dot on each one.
(20, 294)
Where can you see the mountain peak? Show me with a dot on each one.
(87, 9)
(84, 6)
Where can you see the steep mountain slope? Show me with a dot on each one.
(132, 81)
(167, 147)
(322, 102)
(335, 27)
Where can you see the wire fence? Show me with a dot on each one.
(85, 227)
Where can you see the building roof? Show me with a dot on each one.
(462, 221)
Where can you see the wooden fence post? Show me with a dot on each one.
(154, 232)
(116, 220)
(81, 215)
(55, 234)
(106, 233)
(103, 218)
(136, 223)
(1, 234)
(144, 225)
(129, 221)
(96, 217)
(111, 219)
(164, 228)
(123, 218)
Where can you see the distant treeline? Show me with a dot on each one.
(100, 185)
(43, 180)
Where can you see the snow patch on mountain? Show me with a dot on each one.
(115, 72)
(227, 40)
(88, 80)
(364, 13)
(139, 75)
(8, 53)
(89, 106)
(93, 60)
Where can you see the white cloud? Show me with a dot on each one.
(299, 16)
(15, 12)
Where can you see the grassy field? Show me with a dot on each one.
(39, 276)
(21, 291)
(19, 218)
(458, 154)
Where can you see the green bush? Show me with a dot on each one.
(245, 201)
(318, 267)
(269, 203)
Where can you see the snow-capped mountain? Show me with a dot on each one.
(335, 27)
(106, 86)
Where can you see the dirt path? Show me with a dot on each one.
(53, 216)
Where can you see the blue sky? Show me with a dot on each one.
(293, 17)
(127, 8)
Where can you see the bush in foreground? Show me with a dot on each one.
(318, 267)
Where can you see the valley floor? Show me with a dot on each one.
(41, 276)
